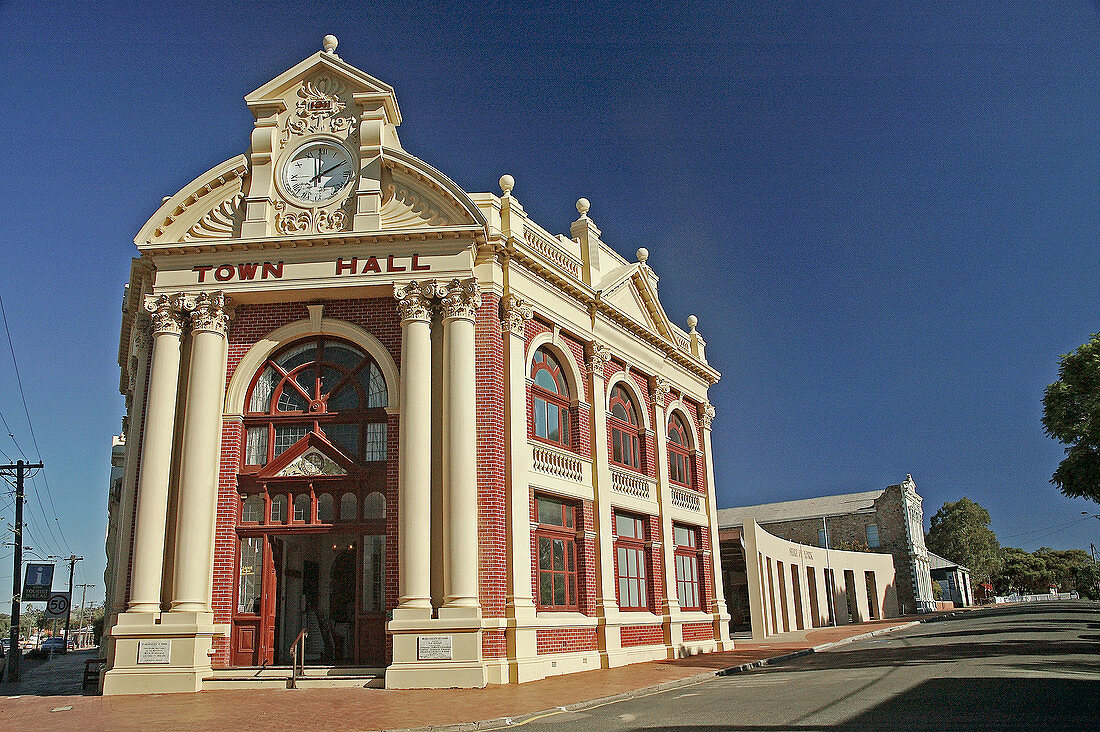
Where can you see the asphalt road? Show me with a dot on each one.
(1033, 667)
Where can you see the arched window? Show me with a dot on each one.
(624, 429)
(374, 507)
(303, 509)
(324, 508)
(679, 460)
(278, 509)
(551, 399)
(317, 385)
(347, 507)
(252, 509)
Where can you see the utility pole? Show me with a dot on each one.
(16, 654)
(80, 622)
(72, 559)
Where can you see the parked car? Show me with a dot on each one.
(57, 645)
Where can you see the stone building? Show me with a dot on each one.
(889, 520)
(396, 430)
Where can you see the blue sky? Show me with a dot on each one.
(885, 220)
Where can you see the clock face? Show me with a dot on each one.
(317, 172)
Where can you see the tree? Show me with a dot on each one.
(1022, 572)
(960, 532)
(1071, 415)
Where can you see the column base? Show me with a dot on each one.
(161, 653)
(436, 653)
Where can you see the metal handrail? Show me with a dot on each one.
(298, 657)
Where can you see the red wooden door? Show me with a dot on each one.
(371, 616)
(247, 634)
(269, 595)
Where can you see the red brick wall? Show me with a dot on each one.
(656, 584)
(493, 644)
(642, 635)
(698, 631)
(492, 517)
(565, 640)
(708, 599)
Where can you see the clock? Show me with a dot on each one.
(317, 172)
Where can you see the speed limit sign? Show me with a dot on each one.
(58, 605)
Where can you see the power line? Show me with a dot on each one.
(1045, 528)
(34, 439)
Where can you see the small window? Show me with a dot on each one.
(252, 509)
(376, 442)
(689, 559)
(631, 559)
(556, 557)
(679, 459)
(287, 436)
(324, 508)
(252, 556)
(347, 507)
(821, 538)
(872, 536)
(374, 507)
(302, 512)
(624, 429)
(256, 446)
(550, 399)
(555, 513)
(685, 537)
(278, 509)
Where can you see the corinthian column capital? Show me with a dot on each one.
(706, 414)
(211, 311)
(414, 299)
(167, 313)
(515, 312)
(662, 387)
(462, 299)
(599, 356)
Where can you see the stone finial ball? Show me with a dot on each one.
(507, 183)
(642, 254)
(583, 205)
(329, 43)
(692, 321)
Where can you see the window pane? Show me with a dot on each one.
(324, 508)
(330, 379)
(552, 432)
(546, 588)
(375, 447)
(872, 535)
(620, 411)
(616, 445)
(297, 356)
(346, 398)
(290, 400)
(261, 392)
(374, 506)
(569, 563)
(544, 553)
(285, 436)
(345, 437)
(682, 536)
(572, 590)
(626, 526)
(544, 379)
(564, 426)
(624, 592)
(251, 566)
(559, 589)
(374, 572)
(549, 512)
(347, 507)
(374, 384)
(559, 555)
(278, 509)
(540, 417)
(302, 508)
(253, 509)
(621, 555)
(342, 355)
(256, 446)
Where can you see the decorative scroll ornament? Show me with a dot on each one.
(167, 313)
(662, 387)
(516, 313)
(318, 110)
(598, 357)
(211, 311)
(706, 414)
(219, 223)
(414, 299)
(289, 221)
(462, 299)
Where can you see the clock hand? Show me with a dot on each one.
(325, 172)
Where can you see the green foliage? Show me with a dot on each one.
(1071, 415)
(1036, 572)
(960, 532)
(855, 545)
(937, 591)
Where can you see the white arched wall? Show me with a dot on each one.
(237, 390)
(565, 358)
(622, 377)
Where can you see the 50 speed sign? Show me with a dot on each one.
(58, 605)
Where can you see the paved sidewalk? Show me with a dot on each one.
(370, 709)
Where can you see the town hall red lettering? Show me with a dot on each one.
(244, 271)
(394, 263)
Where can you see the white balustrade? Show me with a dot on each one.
(631, 484)
(552, 252)
(556, 462)
(686, 499)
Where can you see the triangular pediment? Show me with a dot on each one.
(629, 291)
(310, 457)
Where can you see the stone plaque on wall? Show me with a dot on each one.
(154, 651)
(433, 648)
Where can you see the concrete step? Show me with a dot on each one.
(341, 682)
(244, 682)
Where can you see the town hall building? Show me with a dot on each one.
(382, 429)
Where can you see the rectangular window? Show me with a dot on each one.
(376, 442)
(872, 535)
(256, 446)
(688, 561)
(252, 562)
(821, 538)
(556, 547)
(287, 436)
(631, 558)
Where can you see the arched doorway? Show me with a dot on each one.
(311, 512)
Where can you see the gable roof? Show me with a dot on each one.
(935, 561)
(800, 509)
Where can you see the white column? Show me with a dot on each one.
(606, 602)
(460, 305)
(718, 602)
(414, 472)
(661, 390)
(516, 314)
(200, 455)
(167, 314)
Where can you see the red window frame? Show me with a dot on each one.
(625, 432)
(679, 459)
(557, 559)
(689, 567)
(546, 402)
(631, 562)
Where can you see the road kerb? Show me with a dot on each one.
(520, 719)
